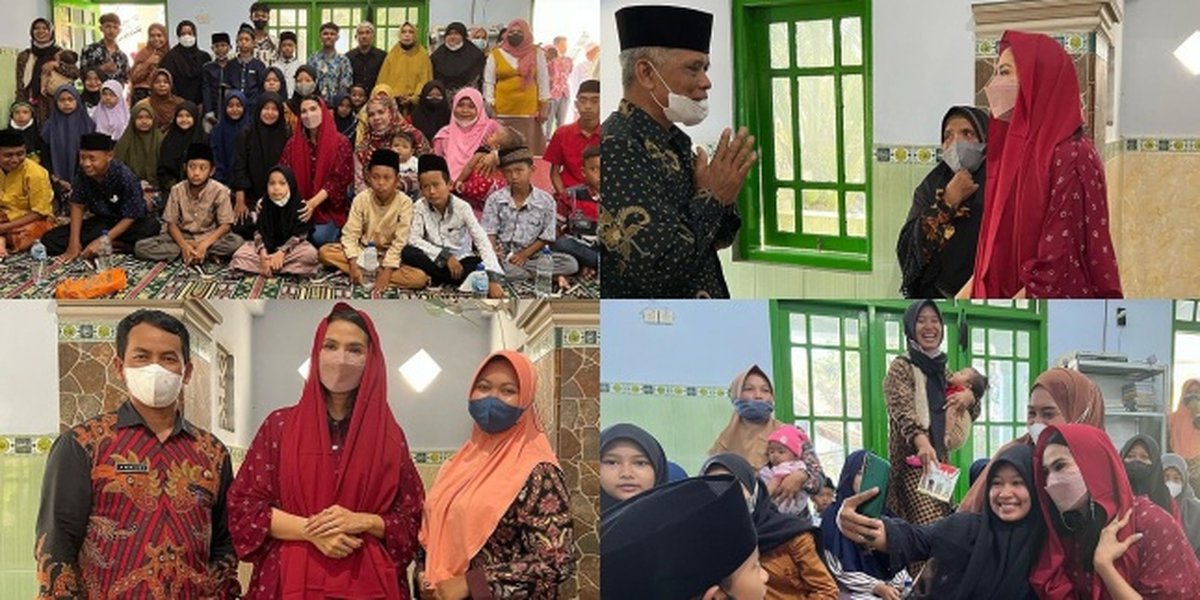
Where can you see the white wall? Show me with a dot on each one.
(1081, 325)
(234, 333)
(434, 419)
(1158, 95)
(708, 345)
(29, 367)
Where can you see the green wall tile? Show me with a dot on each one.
(685, 426)
(20, 493)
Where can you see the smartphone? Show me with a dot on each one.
(875, 473)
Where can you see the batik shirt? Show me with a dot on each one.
(125, 515)
(119, 196)
(530, 552)
(659, 235)
(97, 54)
(335, 75)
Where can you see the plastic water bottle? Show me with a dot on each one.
(544, 284)
(579, 222)
(104, 254)
(369, 261)
(38, 252)
(479, 281)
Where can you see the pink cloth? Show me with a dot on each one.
(299, 257)
(456, 143)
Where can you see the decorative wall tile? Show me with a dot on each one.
(90, 331)
(923, 155)
(33, 445)
(661, 389)
(577, 337)
(1172, 145)
(1074, 42)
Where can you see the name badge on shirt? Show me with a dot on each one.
(115, 199)
(133, 468)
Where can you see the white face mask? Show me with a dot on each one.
(681, 109)
(454, 47)
(1175, 487)
(1035, 431)
(282, 202)
(187, 41)
(480, 43)
(153, 385)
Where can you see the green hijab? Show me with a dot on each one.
(138, 150)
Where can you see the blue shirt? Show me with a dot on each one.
(118, 196)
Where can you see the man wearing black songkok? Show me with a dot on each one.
(684, 540)
(667, 212)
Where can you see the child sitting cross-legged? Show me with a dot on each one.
(199, 216)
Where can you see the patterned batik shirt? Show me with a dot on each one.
(659, 235)
(125, 515)
(530, 552)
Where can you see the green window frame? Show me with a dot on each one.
(306, 18)
(1185, 333)
(77, 22)
(808, 201)
(839, 401)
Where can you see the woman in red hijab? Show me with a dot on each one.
(498, 520)
(320, 157)
(1103, 542)
(1045, 220)
(328, 502)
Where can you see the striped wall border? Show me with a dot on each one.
(38, 445)
(87, 331)
(660, 389)
(1162, 145)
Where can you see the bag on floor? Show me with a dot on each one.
(101, 284)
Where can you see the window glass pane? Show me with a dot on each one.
(1001, 435)
(820, 212)
(814, 44)
(1184, 310)
(852, 121)
(827, 381)
(851, 41)
(800, 382)
(854, 398)
(830, 442)
(781, 111)
(892, 335)
(1000, 342)
(1022, 344)
(785, 209)
(779, 45)
(977, 341)
(1001, 397)
(818, 129)
(796, 322)
(826, 331)
(1021, 393)
(979, 445)
(856, 214)
(850, 324)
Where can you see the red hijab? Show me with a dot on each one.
(308, 178)
(526, 53)
(1104, 473)
(1019, 159)
(368, 482)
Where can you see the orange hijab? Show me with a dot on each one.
(1185, 438)
(475, 488)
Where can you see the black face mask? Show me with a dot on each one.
(516, 39)
(1141, 477)
(431, 103)
(260, 24)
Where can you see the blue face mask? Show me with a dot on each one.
(493, 415)
(754, 411)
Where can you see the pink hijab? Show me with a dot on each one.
(457, 143)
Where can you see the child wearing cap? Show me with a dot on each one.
(444, 232)
(199, 217)
(380, 215)
(520, 220)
